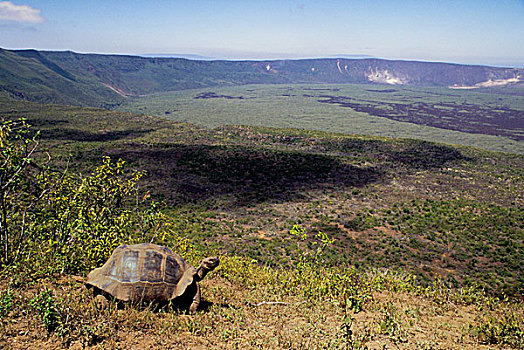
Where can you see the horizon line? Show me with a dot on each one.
(277, 57)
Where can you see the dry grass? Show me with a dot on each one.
(238, 316)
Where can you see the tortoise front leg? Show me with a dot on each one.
(196, 300)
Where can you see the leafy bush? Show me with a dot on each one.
(57, 221)
(17, 145)
(82, 219)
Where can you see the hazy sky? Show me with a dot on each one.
(477, 31)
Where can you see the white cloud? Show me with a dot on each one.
(19, 13)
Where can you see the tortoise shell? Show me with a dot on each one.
(143, 272)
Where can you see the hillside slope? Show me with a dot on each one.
(102, 80)
(326, 241)
(431, 209)
(30, 76)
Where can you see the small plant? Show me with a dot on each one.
(352, 340)
(347, 332)
(391, 324)
(90, 334)
(356, 299)
(318, 244)
(48, 309)
(6, 302)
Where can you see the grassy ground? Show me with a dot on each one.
(482, 119)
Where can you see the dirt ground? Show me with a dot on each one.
(234, 317)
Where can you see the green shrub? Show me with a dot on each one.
(17, 145)
(82, 219)
(47, 307)
(507, 329)
(6, 302)
(58, 221)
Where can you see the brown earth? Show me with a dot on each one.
(234, 317)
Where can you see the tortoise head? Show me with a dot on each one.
(208, 264)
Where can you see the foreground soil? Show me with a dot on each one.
(236, 317)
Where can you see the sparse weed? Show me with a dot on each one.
(390, 323)
(353, 340)
(6, 302)
(47, 307)
(92, 334)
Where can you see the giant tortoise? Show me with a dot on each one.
(148, 272)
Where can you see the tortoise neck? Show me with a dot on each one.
(201, 273)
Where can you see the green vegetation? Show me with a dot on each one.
(15, 152)
(288, 94)
(32, 77)
(47, 307)
(429, 208)
(465, 233)
(73, 221)
(391, 324)
(326, 240)
(6, 302)
(505, 329)
(476, 118)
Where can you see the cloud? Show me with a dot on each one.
(19, 13)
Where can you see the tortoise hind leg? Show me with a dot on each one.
(101, 300)
(196, 300)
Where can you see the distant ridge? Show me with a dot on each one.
(352, 56)
(104, 80)
(178, 55)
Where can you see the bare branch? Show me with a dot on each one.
(271, 303)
